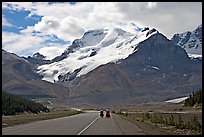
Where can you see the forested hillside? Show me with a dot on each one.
(194, 98)
(12, 104)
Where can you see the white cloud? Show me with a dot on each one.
(47, 24)
(167, 17)
(69, 22)
(20, 43)
(26, 44)
(66, 29)
(51, 52)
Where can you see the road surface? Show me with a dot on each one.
(82, 124)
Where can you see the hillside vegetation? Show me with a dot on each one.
(13, 104)
(194, 99)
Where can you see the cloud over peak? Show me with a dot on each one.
(69, 21)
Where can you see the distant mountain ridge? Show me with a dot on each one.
(157, 71)
(190, 41)
(107, 67)
(19, 77)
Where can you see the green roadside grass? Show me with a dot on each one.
(149, 128)
(134, 114)
(27, 118)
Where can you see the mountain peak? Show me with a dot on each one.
(190, 41)
(95, 48)
(38, 56)
(145, 29)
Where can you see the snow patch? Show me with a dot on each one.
(195, 55)
(176, 100)
(154, 67)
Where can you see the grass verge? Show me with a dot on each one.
(27, 118)
(150, 128)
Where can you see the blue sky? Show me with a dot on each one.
(49, 28)
(20, 20)
(17, 20)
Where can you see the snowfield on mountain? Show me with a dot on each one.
(96, 47)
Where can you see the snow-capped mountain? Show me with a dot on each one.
(112, 65)
(190, 41)
(156, 71)
(95, 48)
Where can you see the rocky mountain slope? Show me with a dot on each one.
(190, 41)
(19, 77)
(109, 67)
(158, 71)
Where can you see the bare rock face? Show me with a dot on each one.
(157, 51)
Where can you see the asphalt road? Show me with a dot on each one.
(82, 124)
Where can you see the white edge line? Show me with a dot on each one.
(87, 126)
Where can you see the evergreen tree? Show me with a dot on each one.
(195, 98)
(11, 104)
